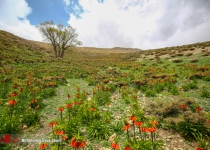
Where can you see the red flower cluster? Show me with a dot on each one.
(12, 102)
(138, 124)
(91, 109)
(127, 148)
(208, 120)
(75, 103)
(155, 123)
(150, 129)
(198, 109)
(115, 146)
(133, 118)
(59, 132)
(52, 124)
(21, 89)
(60, 109)
(68, 106)
(43, 146)
(77, 96)
(34, 101)
(64, 138)
(15, 86)
(127, 126)
(135, 97)
(183, 106)
(68, 96)
(13, 94)
(201, 148)
(77, 144)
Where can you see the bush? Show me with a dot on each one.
(102, 97)
(30, 118)
(177, 60)
(98, 130)
(206, 78)
(174, 90)
(205, 93)
(188, 129)
(189, 86)
(150, 93)
(46, 93)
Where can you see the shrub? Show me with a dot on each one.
(177, 60)
(98, 130)
(189, 86)
(150, 93)
(189, 129)
(205, 93)
(102, 97)
(206, 78)
(189, 54)
(174, 90)
(30, 118)
(194, 60)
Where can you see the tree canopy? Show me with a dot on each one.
(61, 37)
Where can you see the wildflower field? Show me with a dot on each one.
(104, 99)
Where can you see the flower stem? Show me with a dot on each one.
(152, 140)
(140, 132)
(128, 134)
(134, 131)
(61, 116)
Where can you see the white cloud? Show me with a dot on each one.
(67, 2)
(142, 23)
(13, 15)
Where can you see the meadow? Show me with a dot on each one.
(102, 99)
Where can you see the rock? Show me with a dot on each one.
(24, 126)
(112, 137)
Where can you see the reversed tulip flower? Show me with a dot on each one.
(126, 127)
(77, 143)
(12, 102)
(198, 109)
(127, 148)
(183, 106)
(68, 96)
(69, 106)
(115, 146)
(43, 146)
(133, 118)
(138, 124)
(61, 109)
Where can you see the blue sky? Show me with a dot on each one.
(140, 24)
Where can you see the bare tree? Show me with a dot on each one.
(61, 37)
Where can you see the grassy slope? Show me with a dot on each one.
(101, 64)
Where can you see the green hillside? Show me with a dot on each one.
(104, 98)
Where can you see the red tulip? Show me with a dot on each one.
(60, 109)
(183, 106)
(127, 148)
(68, 106)
(12, 102)
(68, 96)
(198, 109)
(133, 118)
(115, 146)
(43, 146)
(138, 124)
(127, 126)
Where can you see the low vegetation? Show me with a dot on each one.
(101, 98)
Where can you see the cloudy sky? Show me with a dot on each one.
(143, 24)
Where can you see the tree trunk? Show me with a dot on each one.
(55, 51)
(62, 53)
